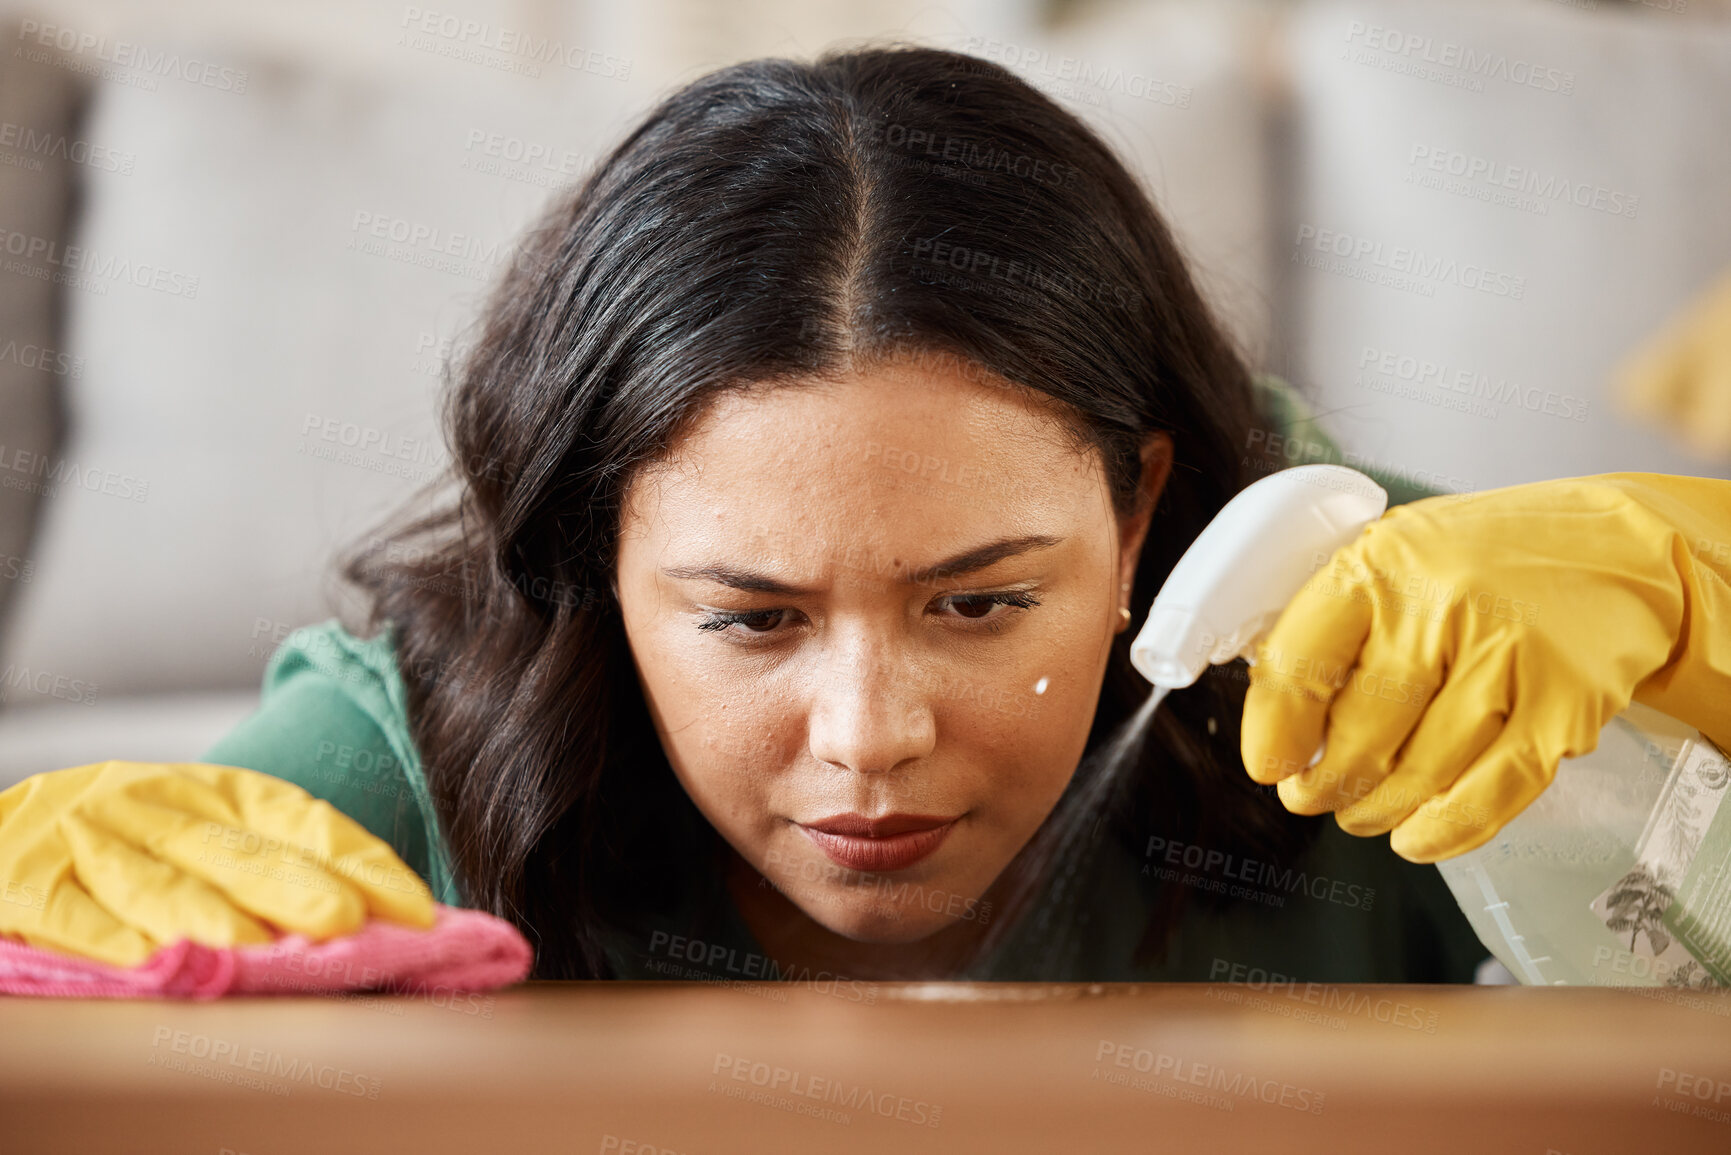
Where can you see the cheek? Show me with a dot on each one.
(1023, 768)
(724, 734)
(1026, 724)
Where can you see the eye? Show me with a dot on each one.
(762, 624)
(754, 621)
(977, 607)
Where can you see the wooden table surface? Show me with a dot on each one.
(695, 1068)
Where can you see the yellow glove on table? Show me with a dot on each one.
(116, 859)
(1461, 646)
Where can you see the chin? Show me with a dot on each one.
(892, 916)
(892, 926)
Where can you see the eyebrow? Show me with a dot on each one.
(978, 558)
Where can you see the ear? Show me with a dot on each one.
(1133, 529)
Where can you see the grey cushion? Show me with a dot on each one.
(1493, 204)
(147, 728)
(278, 399)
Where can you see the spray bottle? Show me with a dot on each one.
(1618, 874)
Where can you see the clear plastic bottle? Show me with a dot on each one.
(1576, 888)
(1618, 874)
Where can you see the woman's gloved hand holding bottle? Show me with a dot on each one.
(1450, 656)
(114, 860)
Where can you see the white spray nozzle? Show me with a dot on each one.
(1247, 564)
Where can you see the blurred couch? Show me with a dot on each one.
(232, 271)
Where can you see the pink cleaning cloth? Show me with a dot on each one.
(464, 950)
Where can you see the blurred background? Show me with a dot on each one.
(239, 239)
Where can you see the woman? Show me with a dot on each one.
(814, 460)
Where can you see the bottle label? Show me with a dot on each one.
(1674, 905)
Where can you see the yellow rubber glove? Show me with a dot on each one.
(116, 859)
(1681, 378)
(1461, 646)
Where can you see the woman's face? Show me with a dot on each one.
(871, 619)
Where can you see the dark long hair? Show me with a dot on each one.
(780, 220)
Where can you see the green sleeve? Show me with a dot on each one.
(1290, 415)
(333, 720)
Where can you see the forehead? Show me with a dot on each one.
(935, 443)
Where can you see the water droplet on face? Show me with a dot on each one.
(1040, 686)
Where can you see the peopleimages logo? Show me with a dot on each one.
(32, 356)
(269, 1063)
(58, 146)
(722, 961)
(522, 51)
(797, 1085)
(46, 683)
(1516, 186)
(529, 161)
(429, 246)
(1266, 875)
(1086, 76)
(88, 267)
(128, 55)
(979, 268)
(1363, 258)
(900, 893)
(1436, 375)
(1391, 1011)
(978, 154)
(54, 473)
(1239, 1085)
(1446, 61)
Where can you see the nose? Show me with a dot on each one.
(869, 710)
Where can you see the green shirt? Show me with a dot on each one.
(333, 719)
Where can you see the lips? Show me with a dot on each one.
(892, 842)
